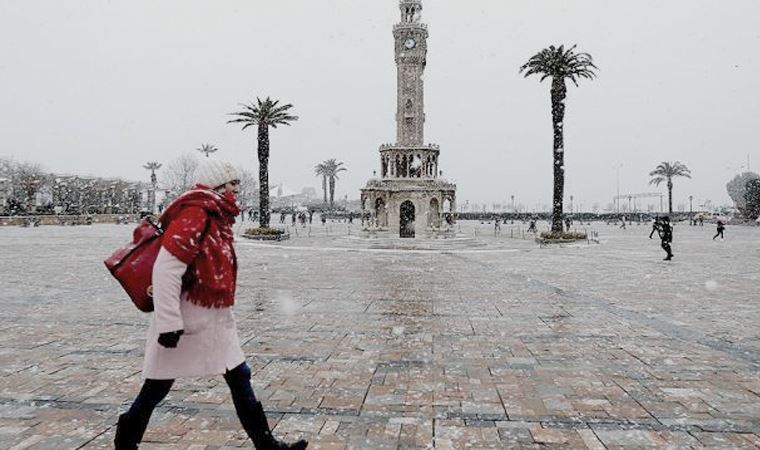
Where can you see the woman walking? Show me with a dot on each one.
(192, 332)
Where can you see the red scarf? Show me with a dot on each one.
(198, 232)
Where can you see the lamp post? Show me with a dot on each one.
(691, 217)
(617, 198)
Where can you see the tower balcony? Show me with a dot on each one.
(407, 162)
(401, 147)
(410, 26)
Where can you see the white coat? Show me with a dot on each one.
(210, 344)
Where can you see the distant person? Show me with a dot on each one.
(622, 222)
(532, 226)
(721, 227)
(665, 230)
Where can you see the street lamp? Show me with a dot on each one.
(617, 198)
(691, 218)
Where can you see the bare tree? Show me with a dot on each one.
(249, 190)
(27, 180)
(737, 187)
(6, 167)
(179, 174)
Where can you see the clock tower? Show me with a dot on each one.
(411, 52)
(409, 198)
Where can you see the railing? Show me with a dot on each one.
(403, 26)
(384, 147)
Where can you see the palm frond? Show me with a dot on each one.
(667, 170)
(264, 112)
(560, 63)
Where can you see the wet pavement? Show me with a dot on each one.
(489, 343)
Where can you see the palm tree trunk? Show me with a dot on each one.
(263, 150)
(670, 197)
(558, 93)
(332, 191)
(324, 189)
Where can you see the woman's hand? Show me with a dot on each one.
(170, 339)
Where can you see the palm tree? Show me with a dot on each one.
(264, 115)
(320, 170)
(666, 171)
(207, 149)
(332, 167)
(559, 64)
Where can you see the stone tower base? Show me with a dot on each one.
(410, 208)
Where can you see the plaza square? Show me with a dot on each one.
(496, 344)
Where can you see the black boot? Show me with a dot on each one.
(256, 425)
(127, 434)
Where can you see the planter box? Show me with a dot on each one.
(544, 242)
(268, 237)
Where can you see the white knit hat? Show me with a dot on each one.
(214, 173)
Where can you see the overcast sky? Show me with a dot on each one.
(100, 87)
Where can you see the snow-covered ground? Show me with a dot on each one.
(497, 344)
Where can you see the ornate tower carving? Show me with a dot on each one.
(411, 52)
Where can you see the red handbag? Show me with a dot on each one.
(132, 265)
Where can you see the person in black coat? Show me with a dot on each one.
(721, 227)
(665, 231)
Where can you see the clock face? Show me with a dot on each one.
(410, 43)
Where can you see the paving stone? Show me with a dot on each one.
(501, 345)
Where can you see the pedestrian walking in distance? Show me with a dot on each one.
(192, 332)
(665, 230)
(721, 227)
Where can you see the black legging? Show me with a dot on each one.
(153, 391)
